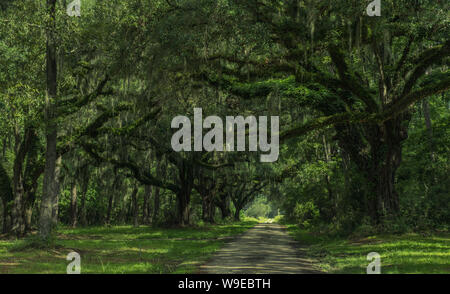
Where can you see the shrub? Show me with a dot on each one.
(306, 214)
(279, 219)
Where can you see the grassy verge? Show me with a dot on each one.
(121, 249)
(400, 254)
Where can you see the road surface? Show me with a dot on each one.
(264, 249)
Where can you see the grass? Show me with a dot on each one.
(400, 254)
(121, 249)
(260, 220)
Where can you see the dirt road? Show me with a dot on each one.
(264, 249)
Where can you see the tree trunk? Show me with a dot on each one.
(84, 189)
(146, 209)
(223, 202)
(123, 214)
(206, 191)
(17, 217)
(112, 191)
(32, 174)
(208, 206)
(21, 150)
(5, 217)
(161, 170)
(186, 175)
(50, 185)
(384, 199)
(135, 210)
(156, 204)
(237, 214)
(428, 125)
(205, 208)
(386, 158)
(376, 149)
(28, 218)
(331, 198)
(225, 211)
(183, 199)
(206, 188)
(109, 209)
(386, 152)
(6, 196)
(29, 205)
(49, 190)
(73, 205)
(55, 206)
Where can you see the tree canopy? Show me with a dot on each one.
(87, 103)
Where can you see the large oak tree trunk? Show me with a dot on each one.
(384, 200)
(50, 185)
(386, 158)
(207, 210)
(206, 189)
(49, 190)
(377, 158)
(208, 207)
(186, 180)
(223, 202)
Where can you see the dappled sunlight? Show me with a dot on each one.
(154, 250)
(264, 249)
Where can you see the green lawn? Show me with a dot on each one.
(121, 249)
(124, 249)
(400, 254)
